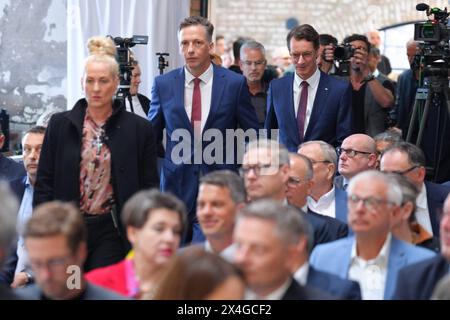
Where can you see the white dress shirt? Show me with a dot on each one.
(205, 89)
(313, 84)
(277, 294)
(301, 275)
(371, 274)
(227, 253)
(422, 213)
(137, 108)
(326, 204)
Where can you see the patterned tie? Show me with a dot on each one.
(301, 113)
(196, 115)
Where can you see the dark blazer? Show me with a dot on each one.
(9, 266)
(436, 195)
(298, 292)
(330, 120)
(130, 139)
(340, 203)
(10, 169)
(326, 229)
(92, 292)
(145, 102)
(230, 108)
(417, 281)
(334, 285)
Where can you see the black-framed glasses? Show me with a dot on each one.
(294, 181)
(350, 152)
(402, 172)
(370, 203)
(258, 170)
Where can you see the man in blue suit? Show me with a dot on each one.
(201, 98)
(409, 160)
(308, 105)
(418, 280)
(373, 257)
(324, 198)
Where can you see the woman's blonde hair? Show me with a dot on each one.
(103, 49)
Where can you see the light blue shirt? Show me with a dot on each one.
(25, 211)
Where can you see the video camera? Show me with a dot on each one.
(434, 35)
(125, 62)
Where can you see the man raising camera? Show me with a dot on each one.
(372, 92)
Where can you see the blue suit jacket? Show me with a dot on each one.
(340, 203)
(417, 281)
(436, 194)
(230, 107)
(334, 285)
(325, 229)
(330, 119)
(334, 257)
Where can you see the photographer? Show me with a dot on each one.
(372, 93)
(135, 102)
(326, 64)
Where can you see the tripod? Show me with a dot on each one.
(438, 88)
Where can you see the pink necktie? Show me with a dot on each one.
(196, 115)
(301, 113)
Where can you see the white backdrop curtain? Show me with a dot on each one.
(158, 19)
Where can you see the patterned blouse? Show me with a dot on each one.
(96, 191)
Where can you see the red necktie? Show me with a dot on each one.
(196, 115)
(301, 113)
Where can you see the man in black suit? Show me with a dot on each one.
(266, 237)
(417, 281)
(266, 172)
(8, 211)
(409, 160)
(299, 185)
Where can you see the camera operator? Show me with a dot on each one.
(136, 103)
(372, 94)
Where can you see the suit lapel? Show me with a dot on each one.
(396, 262)
(340, 205)
(287, 107)
(178, 93)
(219, 82)
(319, 103)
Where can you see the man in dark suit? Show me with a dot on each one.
(407, 159)
(8, 212)
(266, 237)
(308, 105)
(418, 280)
(299, 184)
(324, 198)
(305, 274)
(194, 102)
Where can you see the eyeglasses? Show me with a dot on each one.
(370, 203)
(402, 172)
(306, 55)
(51, 264)
(350, 152)
(258, 63)
(258, 170)
(294, 181)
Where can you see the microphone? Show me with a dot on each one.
(422, 7)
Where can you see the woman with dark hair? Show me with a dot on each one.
(155, 222)
(195, 274)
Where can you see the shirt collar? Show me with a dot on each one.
(376, 73)
(28, 182)
(313, 81)
(205, 76)
(382, 256)
(325, 199)
(301, 275)
(421, 200)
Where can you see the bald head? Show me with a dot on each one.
(358, 153)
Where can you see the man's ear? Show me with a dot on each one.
(331, 171)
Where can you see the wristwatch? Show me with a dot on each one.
(368, 78)
(29, 277)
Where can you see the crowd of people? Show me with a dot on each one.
(316, 195)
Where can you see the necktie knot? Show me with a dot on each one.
(197, 81)
(304, 84)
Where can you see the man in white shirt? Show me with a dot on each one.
(266, 238)
(373, 257)
(408, 160)
(221, 195)
(323, 197)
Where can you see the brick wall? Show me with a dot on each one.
(265, 20)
